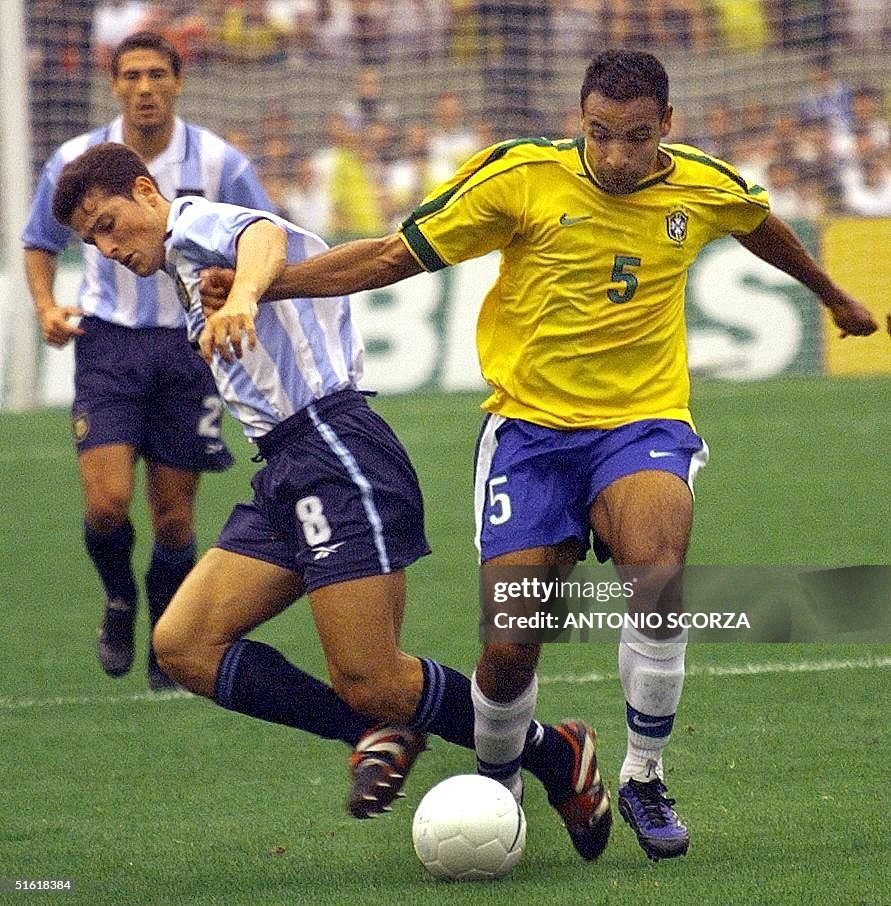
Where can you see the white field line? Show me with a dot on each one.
(580, 679)
(749, 669)
(72, 701)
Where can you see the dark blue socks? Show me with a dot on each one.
(445, 708)
(167, 569)
(111, 555)
(256, 680)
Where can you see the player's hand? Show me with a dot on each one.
(214, 288)
(57, 330)
(851, 317)
(225, 328)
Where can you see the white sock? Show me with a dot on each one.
(652, 675)
(499, 735)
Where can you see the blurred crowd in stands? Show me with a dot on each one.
(830, 155)
(372, 31)
(373, 166)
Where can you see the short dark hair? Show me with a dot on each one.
(147, 40)
(109, 166)
(622, 75)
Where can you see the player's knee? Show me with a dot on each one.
(504, 671)
(168, 646)
(659, 590)
(174, 526)
(106, 510)
(181, 658)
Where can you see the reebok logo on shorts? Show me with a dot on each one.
(325, 550)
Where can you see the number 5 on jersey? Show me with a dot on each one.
(622, 275)
(499, 500)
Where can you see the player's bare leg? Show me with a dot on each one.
(201, 642)
(222, 599)
(504, 690)
(645, 519)
(359, 623)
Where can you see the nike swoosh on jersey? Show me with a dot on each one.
(566, 220)
(658, 454)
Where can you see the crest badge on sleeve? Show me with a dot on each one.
(676, 225)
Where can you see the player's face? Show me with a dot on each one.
(146, 89)
(127, 230)
(622, 140)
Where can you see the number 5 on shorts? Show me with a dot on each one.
(499, 501)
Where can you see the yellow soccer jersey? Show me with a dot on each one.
(584, 327)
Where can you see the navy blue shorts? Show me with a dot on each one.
(338, 498)
(534, 486)
(149, 389)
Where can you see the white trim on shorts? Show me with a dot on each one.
(485, 453)
(360, 481)
(697, 462)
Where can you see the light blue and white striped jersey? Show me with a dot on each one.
(196, 162)
(306, 348)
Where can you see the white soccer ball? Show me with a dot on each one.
(469, 828)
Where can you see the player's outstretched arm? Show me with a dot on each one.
(348, 268)
(260, 258)
(775, 243)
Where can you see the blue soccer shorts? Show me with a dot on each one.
(338, 498)
(149, 389)
(534, 486)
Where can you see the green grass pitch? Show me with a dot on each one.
(779, 759)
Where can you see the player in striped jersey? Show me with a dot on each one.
(337, 511)
(139, 392)
(589, 437)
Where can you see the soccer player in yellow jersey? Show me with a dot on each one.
(588, 438)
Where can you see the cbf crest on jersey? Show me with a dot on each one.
(676, 224)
